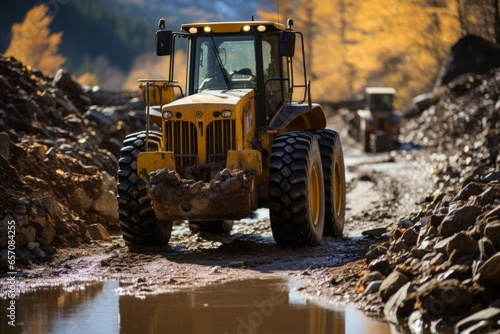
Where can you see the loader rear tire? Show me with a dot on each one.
(138, 222)
(296, 190)
(332, 159)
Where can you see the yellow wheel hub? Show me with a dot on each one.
(315, 195)
(338, 188)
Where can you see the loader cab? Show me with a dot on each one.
(223, 63)
(380, 99)
(239, 55)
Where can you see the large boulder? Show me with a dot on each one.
(459, 219)
(438, 299)
(106, 206)
(400, 305)
(489, 272)
(470, 55)
(391, 284)
(45, 232)
(98, 232)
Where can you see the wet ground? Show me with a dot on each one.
(248, 306)
(381, 188)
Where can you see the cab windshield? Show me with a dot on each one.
(381, 101)
(224, 62)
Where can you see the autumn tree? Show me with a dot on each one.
(403, 43)
(354, 44)
(333, 45)
(33, 43)
(150, 66)
(481, 18)
(88, 79)
(305, 21)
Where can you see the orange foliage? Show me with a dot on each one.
(88, 79)
(149, 66)
(352, 44)
(33, 44)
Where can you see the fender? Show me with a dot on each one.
(291, 112)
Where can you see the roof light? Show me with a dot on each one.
(226, 113)
(207, 29)
(193, 30)
(246, 28)
(261, 28)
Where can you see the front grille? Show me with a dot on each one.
(221, 137)
(182, 139)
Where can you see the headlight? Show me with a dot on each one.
(226, 113)
(167, 115)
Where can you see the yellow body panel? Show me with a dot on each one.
(193, 115)
(148, 162)
(160, 93)
(245, 160)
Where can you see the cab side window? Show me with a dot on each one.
(274, 86)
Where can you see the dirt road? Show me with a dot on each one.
(381, 188)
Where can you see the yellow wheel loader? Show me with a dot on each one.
(378, 123)
(236, 138)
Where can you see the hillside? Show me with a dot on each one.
(118, 30)
(90, 29)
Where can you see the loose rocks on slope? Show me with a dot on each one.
(58, 156)
(441, 263)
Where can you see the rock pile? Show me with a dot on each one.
(59, 147)
(441, 263)
(440, 266)
(470, 54)
(461, 129)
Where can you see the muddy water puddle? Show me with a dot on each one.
(243, 307)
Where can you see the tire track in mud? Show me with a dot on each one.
(382, 189)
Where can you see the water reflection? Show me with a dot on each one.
(75, 308)
(256, 306)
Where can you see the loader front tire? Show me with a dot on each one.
(332, 159)
(138, 222)
(296, 190)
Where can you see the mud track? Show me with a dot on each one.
(381, 188)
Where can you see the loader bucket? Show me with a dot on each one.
(229, 195)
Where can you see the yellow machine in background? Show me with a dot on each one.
(233, 140)
(378, 123)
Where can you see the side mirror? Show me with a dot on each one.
(164, 42)
(287, 44)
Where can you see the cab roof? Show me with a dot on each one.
(232, 27)
(380, 90)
